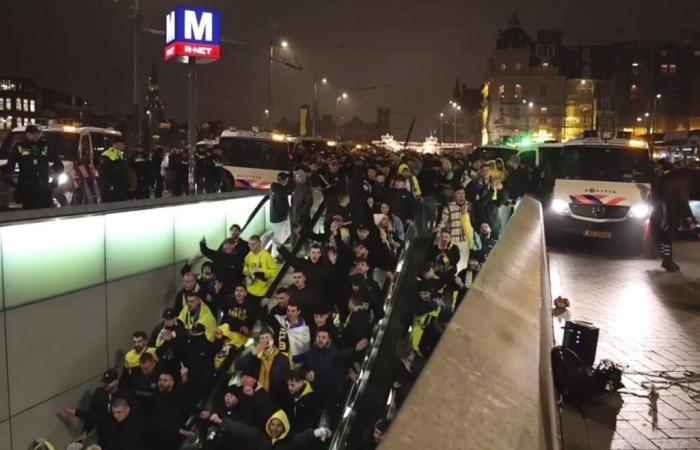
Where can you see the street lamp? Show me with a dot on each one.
(314, 104)
(339, 99)
(530, 105)
(267, 119)
(442, 137)
(455, 108)
(285, 45)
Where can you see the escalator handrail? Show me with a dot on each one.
(295, 249)
(420, 226)
(259, 206)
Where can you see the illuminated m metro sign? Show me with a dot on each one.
(192, 33)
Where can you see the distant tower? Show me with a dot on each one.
(155, 112)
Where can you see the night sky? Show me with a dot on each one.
(411, 50)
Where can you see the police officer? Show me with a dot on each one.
(37, 163)
(140, 164)
(180, 165)
(200, 168)
(214, 170)
(114, 173)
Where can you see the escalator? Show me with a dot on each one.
(370, 394)
(202, 435)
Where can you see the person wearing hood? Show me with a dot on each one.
(305, 407)
(278, 434)
(271, 364)
(413, 185)
(374, 438)
(367, 288)
(401, 200)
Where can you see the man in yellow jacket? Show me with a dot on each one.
(139, 346)
(259, 268)
(197, 311)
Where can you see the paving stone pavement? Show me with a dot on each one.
(649, 320)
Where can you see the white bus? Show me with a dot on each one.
(602, 190)
(70, 143)
(254, 159)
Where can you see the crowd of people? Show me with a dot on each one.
(298, 348)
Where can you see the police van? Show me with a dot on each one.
(602, 190)
(253, 159)
(72, 144)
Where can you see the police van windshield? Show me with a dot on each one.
(491, 153)
(624, 164)
(101, 142)
(64, 143)
(254, 153)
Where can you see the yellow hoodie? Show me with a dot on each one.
(260, 262)
(282, 417)
(412, 180)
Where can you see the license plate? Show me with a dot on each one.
(598, 234)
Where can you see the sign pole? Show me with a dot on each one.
(191, 122)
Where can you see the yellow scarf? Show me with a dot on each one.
(266, 358)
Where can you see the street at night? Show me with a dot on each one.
(350, 225)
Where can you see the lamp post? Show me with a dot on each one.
(284, 44)
(455, 108)
(314, 105)
(267, 119)
(442, 137)
(339, 99)
(529, 111)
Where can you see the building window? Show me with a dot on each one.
(502, 91)
(671, 69)
(18, 104)
(545, 64)
(539, 51)
(696, 53)
(518, 91)
(25, 104)
(500, 114)
(663, 53)
(550, 50)
(664, 68)
(32, 106)
(503, 66)
(586, 55)
(32, 121)
(543, 91)
(543, 110)
(516, 113)
(518, 66)
(8, 104)
(2, 105)
(634, 91)
(586, 72)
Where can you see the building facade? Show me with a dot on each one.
(526, 91)
(18, 102)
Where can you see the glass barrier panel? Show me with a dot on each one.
(52, 257)
(206, 219)
(148, 234)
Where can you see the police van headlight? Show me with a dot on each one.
(560, 206)
(640, 211)
(63, 178)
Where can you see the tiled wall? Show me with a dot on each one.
(73, 291)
